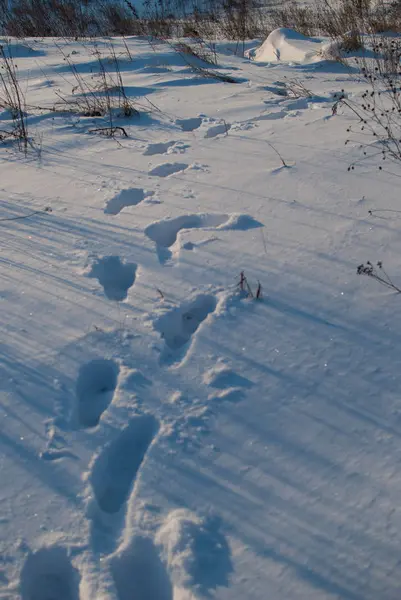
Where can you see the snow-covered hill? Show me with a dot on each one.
(163, 435)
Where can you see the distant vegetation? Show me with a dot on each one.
(197, 19)
(202, 21)
(207, 19)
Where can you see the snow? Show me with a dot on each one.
(287, 45)
(164, 436)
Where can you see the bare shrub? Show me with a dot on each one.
(43, 18)
(345, 17)
(343, 20)
(295, 88)
(235, 23)
(116, 20)
(233, 19)
(68, 18)
(295, 16)
(198, 48)
(246, 290)
(100, 94)
(378, 273)
(377, 111)
(240, 20)
(12, 99)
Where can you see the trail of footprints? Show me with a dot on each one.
(48, 574)
(138, 568)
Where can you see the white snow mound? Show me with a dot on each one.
(288, 46)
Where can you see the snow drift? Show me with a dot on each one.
(289, 46)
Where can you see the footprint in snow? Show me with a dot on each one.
(126, 198)
(164, 233)
(116, 277)
(171, 147)
(96, 384)
(189, 124)
(49, 575)
(209, 127)
(138, 572)
(178, 326)
(271, 116)
(115, 469)
(195, 551)
(168, 169)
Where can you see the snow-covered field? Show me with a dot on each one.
(163, 436)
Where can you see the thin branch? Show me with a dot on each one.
(47, 209)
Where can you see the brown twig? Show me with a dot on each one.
(109, 131)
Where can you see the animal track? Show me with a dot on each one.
(189, 124)
(139, 573)
(125, 198)
(97, 381)
(115, 469)
(178, 325)
(167, 169)
(49, 575)
(164, 233)
(166, 148)
(115, 276)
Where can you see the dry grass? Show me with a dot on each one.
(12, 99)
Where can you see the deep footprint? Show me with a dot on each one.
(179, 325)
(189, 124)
(126, 198)
(96, 384)
(172, 147)
(139, 574)
(164, 233)
(115, 469)
(167, 169)
(49, 575)
(115, 276)
(207, 564)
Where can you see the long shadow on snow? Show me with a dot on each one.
(312, 462)
(143, 60)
